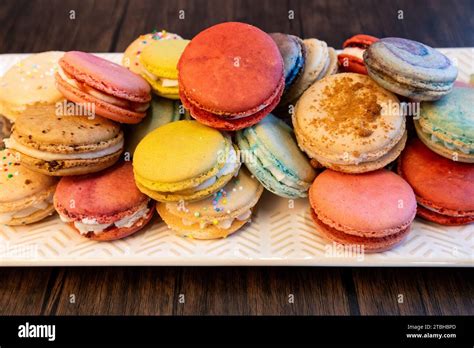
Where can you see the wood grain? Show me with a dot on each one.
(110, 25)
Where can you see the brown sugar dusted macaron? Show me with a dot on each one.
(104, 206)
(231, 76)
(66, 145)
(444, 189)
(372, 210)
(350, 124)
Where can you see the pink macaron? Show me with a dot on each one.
(103, 206)
(372, 210)
(103, 87)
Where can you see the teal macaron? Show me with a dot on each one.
(446, 126)
(270, 152)
(161, 112)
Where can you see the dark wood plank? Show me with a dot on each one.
(424, 291)
(23, 291)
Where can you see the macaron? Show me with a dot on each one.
(444, 189)
(131, 56)
(371, 210)
(293, 52)
(97, 210)
(446, 126)
(5, 130)
(102, 87)
(161, 112)
(350, 124)
(217, 216)
(231, 76)
(410, 68)
(66, 145)
(25, 196)
(28, 87)
(272, 155)
(320, 62)
(184, 161)
(351, 59)
(159, 60)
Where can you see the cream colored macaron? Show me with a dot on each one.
(217, 216)
(350, 124)
(28, 87)
(25, 196)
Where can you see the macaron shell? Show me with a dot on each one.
(374, 204)
(30, 85)
(105, 76)
(166, 92)
(360, 40)
(70, 167)
(101, 108)
(132, 54)
(370, 245)
(226, 58)
(215, 121)
(116, 233)
(66, 134)
(443, 219)
(96, 196)
(290, 47)
(437, 180)
(161, 57)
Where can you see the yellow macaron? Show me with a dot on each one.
(184, 161)
(159, 60)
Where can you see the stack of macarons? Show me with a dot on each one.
(230, 77)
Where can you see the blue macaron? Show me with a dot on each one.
(410, 68)
(293, 51)
(270, 152)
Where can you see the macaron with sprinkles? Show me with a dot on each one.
(410, 68)
(131, 56)
(217, 216)
(29, 88)
(102, 87)
(26, 196)
(184, 161)
(99, 211)
(273, 156)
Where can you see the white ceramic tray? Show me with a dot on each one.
(280, 234)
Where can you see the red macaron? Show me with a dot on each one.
(444, 188)
(374, 210)
(231, 76)
(351, 57)
(103, 206)
(103, 87)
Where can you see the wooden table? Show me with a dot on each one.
(108, 25)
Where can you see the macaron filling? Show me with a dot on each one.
(164, 82)
(92, 225)
(119, 102)
(225, 223)
(13, 144)
(354, 52)
(6, 217)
